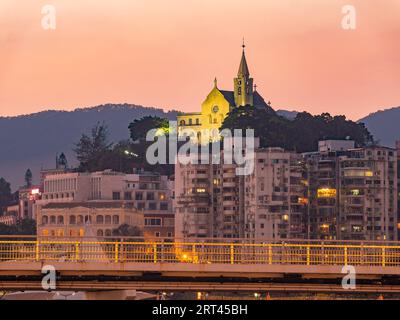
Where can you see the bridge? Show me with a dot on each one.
(199, 265)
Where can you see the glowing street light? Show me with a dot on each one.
(130, 153)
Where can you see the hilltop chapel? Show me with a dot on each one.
(219, 103)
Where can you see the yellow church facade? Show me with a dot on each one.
(219, 103)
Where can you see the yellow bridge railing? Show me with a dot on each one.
(200, 253)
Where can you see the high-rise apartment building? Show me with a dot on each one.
(212, 200)
(352, 192)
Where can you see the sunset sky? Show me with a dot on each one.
(166, 53)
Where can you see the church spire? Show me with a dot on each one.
(243, 68)
(243, 83)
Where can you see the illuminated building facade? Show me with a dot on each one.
(74, 219)
(219, 103)
(149, 193)
(368, 194)
(352, 192)
(28, 196)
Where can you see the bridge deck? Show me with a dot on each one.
(197, 264)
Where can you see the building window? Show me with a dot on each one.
(115, 219)
(150, 196)
(108, 233)
(53, 220)
(128, 196)
(99, 219)
(80, 219)
(72, 220)
(157, 234)
(152, 222)
(116, 196)
(45, 220)
(139, 196)
(152, 206)
(60, 220)
(100, 233)
(108, 220)
(164, 206)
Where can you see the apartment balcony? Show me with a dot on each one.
(230, 184)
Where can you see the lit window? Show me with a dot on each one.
(369, 174)
(326, 193)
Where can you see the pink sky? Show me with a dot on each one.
(167, 53)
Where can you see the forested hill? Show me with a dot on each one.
(32, 141)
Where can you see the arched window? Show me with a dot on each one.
(115, 219)
(108, 219)
(100, 233)
(100, 220)
(72, 220)
(88, 219)
(190, 122)
(108, 233)
(182, 122)
(52, 219)
(60, 220)
(80, 219)
(45, 220)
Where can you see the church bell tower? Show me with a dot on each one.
(243, 83)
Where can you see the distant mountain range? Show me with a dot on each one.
(32, 141)
(384, 125)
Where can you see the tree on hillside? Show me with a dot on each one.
(90, 149)
(6, 196)
(139, 127)
(301, 134)
(28, 178)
